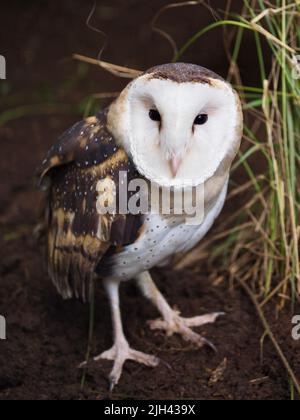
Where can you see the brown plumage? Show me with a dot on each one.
(77, 236)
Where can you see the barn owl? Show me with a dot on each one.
(176, 125)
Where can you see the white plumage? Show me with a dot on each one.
(162, 238)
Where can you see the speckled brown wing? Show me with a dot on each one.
(77, 235)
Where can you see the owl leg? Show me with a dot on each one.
(171, 320)
(121, 351)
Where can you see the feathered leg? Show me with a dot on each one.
(171, 320)
(121, 351)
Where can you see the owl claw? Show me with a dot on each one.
(175, 324)
(121, 352)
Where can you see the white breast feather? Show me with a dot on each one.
(162, 238)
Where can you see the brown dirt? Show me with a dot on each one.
(47, 337)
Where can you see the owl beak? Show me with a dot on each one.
(175, 163)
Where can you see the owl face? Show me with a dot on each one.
(178, 132)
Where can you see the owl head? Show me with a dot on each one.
(178, 123)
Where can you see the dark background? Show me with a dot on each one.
(45, 92)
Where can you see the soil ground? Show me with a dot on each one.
(46, 337)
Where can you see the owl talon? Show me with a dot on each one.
(121, 352)
(175, 324)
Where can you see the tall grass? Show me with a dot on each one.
(263, 248)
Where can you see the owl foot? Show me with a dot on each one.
(175, 324)
(121, 352)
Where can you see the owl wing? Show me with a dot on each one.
(85, 158)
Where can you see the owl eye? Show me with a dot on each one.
(201, 119)
(154, 115)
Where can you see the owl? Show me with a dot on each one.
(175, 126)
